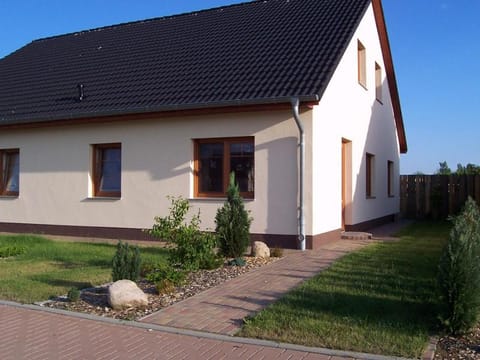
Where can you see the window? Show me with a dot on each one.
(362, 65)
(107, 170)
(390, 183)
(378, 82)
(215, 159)
(370, 175)
(10, 167)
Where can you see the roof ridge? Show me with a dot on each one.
(166, 17)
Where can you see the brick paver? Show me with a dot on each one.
(28, 333)
(35, 334)
(222, 309)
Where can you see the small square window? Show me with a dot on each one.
(107, 170)
(362, 65)
(10, 175)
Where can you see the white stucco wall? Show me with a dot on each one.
(157, 160)
(348, 110)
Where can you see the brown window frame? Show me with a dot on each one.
(97, 169)
(369, 175)
(362, 64)
(5, 173)
(378, 83)
(390, 177)
(226, 165)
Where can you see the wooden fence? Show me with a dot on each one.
(436, 196)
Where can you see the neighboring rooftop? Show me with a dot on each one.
(252, 53)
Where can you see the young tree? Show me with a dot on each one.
(459, 272)
(444, 169)
(233, 223)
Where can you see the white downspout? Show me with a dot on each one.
(301, 217)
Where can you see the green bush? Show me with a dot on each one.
(126, 262)
(9, 251)
(459, 272)
(233, 223)
(191, 249)
(73, 294)
(276, 252)
(166, 272)
(164, 286)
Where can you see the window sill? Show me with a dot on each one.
(9, 197)
(364, 86)
(103, 198)
(371, 197)
(391, 196)
(216, 199)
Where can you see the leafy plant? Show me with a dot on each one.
(233, 223)
(164, 286)
(166, 272)
(126, 262)
(9, 251)
(190, 248)
(237, 262)
(276, 252)
(459, 272)
(73, 294)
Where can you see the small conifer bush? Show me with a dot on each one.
(459, 272)
(126, 262)
(233, 223)
(73, 294)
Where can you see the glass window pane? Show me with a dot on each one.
(210, 168)
(244, 172)
(12, 172)
(110, 170)
(237, 149)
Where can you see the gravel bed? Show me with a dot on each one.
(95, 300)
(462, 347)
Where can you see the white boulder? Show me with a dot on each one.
(260, 249)
(124, 294)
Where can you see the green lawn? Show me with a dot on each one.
(50, 268)
(380, 299)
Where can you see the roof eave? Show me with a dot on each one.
(390, 72)
(164, 108)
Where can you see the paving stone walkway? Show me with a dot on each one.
(29, 332)
(222, 309)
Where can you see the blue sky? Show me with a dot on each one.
(435, 46)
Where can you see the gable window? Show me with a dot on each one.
(370, 175)
(10, 172)
(107, 170)
(215, 159)
(390, 183)
(362, 65)
(378, 82)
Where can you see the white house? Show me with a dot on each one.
(98, 127)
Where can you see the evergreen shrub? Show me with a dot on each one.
(459, 272)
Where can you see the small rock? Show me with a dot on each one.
(260, 249)
(126, 294)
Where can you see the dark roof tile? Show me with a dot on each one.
(252, 52)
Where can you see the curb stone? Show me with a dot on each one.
(206, 335)
(429, 352)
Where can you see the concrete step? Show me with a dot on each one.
(355, 235)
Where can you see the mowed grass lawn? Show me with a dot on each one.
(50, 268)
(380, 300)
